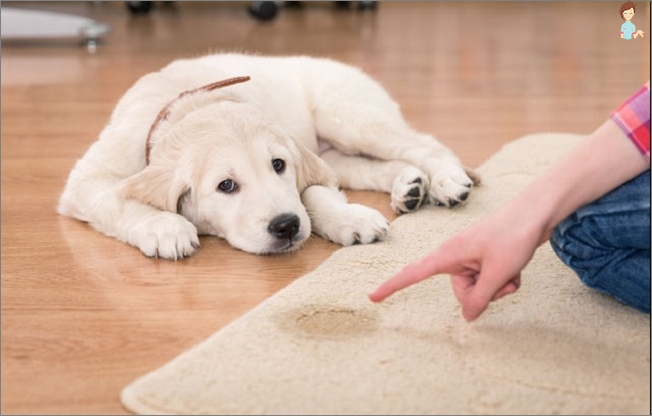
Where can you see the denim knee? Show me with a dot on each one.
(607, 244)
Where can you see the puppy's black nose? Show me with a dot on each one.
(285, 226)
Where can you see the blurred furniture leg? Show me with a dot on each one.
(24, 24)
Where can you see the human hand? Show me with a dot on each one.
(485, 260)
(484, 263)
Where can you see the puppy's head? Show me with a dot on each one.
(235, 174)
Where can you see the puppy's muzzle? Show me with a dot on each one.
(284, 226)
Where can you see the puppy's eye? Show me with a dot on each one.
(278, 165)
(227, 186)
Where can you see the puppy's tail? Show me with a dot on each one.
(475, 176)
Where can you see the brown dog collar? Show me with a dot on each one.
(163, 114)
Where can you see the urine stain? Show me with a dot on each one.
(328, 322)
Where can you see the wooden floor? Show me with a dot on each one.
(83, 315)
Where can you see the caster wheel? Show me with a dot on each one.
(367, 5)
(139, 7)
(263, 10)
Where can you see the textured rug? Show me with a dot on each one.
(319, 346)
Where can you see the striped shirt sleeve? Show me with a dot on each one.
(633, 117)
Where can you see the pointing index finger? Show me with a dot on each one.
(409, 275)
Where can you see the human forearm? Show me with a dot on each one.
(485, 260)
(605, 160)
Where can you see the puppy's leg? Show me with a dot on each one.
(94, 198)
(384, 137)
(407, 185)
(356, 116)
(334, 219)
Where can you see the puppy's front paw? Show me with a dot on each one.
(450, 186)
(410, 190)
(356, 224)
(166, 235)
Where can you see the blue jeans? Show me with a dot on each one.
(607, 243)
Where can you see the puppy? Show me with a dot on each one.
(254, 150)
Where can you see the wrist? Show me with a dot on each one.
(529, 216)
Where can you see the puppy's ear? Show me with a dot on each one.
(311, 169)
(157, 186)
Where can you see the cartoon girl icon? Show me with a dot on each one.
(627, 29)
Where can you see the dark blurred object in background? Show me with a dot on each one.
(261, 10)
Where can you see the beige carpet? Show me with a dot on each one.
(319, 346)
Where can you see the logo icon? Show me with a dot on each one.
(628, 30)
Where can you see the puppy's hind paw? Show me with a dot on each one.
(410, 190)
(451, 186)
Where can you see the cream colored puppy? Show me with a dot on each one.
(254, 149)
